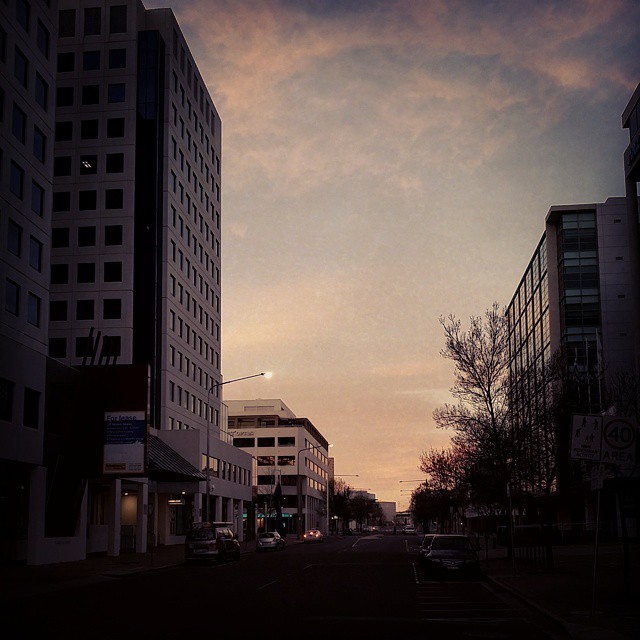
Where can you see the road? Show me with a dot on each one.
(351, 587)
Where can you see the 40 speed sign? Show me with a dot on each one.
(618, 441)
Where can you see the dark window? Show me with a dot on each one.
(84, 309)
(58, 347)
(89, 129)
(16, 178)
(86, 272)
(115, 162)
(33, 309)
(41, 92)
(59, 273)
(21, 67)
(31, 409)
(61, 201)
(12, 297)
(92, 22)
(64, 97)
(6, 399)
(43, 39)
(244, 442)
(91, 60)
(113, 234)
(266, 442)
(57, 310)
(19, 123)
(14, 238)
(66, 23)
(62, 166)
(113, 271)
(88, 164)
(91, 94)
(37, 198)
(86, 236)
(115, 127)
(84, 347)
(3, 45)
(35, 253)
(116, 92)
(287, 441)
(112, 309)
(113, 199)
(64, 131)
(23, 11)
(87, 200)
(66, 61)
(59, 237)
(39, 144)
(117, 58)
(118, 19)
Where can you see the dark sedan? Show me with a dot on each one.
(451, 554)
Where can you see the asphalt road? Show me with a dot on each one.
(352, 587)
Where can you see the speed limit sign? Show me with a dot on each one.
(618, 441)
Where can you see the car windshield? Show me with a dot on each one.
(200, 534)
(458, 544)
(267, 535)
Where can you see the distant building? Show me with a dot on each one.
(388, 511)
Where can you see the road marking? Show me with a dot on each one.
(264, 586)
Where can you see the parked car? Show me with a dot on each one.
(313, 535)
(409, 529)
(425, 547)
(270, 541)
(451, 554)
(211, 541)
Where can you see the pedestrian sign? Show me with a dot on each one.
(607, 439)
(586, 439)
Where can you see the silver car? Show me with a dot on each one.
(270, 541)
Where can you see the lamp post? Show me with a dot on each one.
(313, 446)
(215, 385)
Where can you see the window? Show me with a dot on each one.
(84, 309)
(86, 236)
(59, 274)
(12, 297)
(57, 310)
(266, 461)
(115, 162)
(22, 14)
(91, 94)
(113, 235)
(92, 22)
(37, 198)
(87, 200)
(115, 127)
(266, 442)
(112, 309)
(19, 123)
(66, 61)
(113, 271)
(64, 131)
(91, 60)
(116, 92)
(43, 39)
(62, 166)
(41, 92)
(287, 441)
(117, 58)
(14, 238)
(21, 67)
(31, 408)
(16, 180)
(118, 19)
(84, 347)
(35, 253)
(86, 272)
(61, 201)
(6, 399)
(66, 23)
(64, 97)
(89, 129)
(58, 347)
(88, 164)
(59, 237)
(286, 461)
(39, 144)
(113, 199)
(244, 442)
(33, 309)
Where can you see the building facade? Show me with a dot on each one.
(292, 464)
(125, 169)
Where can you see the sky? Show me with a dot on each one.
(386, 163)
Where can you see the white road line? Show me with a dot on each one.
(264, 586)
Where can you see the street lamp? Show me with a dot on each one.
(313, 446)
(215, 385)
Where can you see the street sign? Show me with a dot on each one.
(618, 441)
(607, 439)
(586, 438)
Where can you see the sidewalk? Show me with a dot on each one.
(564, 593)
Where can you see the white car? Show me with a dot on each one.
(313, 535)
(409, 529)
(270, 541)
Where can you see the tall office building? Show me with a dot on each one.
(127, 156)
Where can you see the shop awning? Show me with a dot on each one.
(165, 464)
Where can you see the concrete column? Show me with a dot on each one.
(37, 501)
(142, 515)
(114, 517)
(238, 515)
(217, 509)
